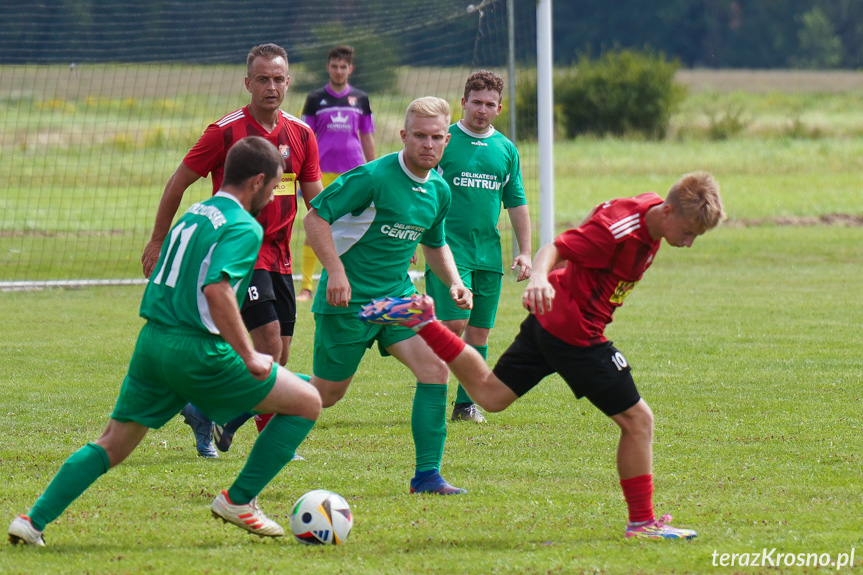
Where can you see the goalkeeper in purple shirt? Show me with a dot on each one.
(341, 118)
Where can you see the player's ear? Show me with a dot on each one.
(258, 181)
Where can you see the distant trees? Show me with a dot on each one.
(717, 33)
(705, 33)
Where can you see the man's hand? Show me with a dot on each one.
(525, 266)
(150, 256)
(462, 296)
(538, 295)
(259, 365)
(338, 289)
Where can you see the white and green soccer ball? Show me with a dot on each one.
(321, 517)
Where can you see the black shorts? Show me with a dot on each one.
(270, 298)
(599, 372)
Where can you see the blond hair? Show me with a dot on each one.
(695, 196)
(428, 107)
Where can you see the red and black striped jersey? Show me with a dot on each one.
(605, 257)
(297, 143)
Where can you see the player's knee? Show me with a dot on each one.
(267, 339)
(493, 403)
(311, 405)
(434, 372)
(329, 399)
(493, 395)
(329, 392)
(457, 326)
(637, 420)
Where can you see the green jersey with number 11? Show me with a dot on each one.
(214, 240)
(483, 171)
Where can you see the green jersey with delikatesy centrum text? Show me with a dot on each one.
(483, 171)
(379, 212)
(214, 239)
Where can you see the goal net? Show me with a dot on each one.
(100, 100)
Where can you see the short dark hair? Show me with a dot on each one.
(248, 158)
(483, 80)
(345, 53)
(268, 51)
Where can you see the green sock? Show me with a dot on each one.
(428, 425)
(461, 395)
(76, 474)
(274, 448)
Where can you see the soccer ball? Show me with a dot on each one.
(321, 517)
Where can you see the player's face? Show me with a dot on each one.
(264, 195)
(681, 232)
(267, 82)
(424, 140)
(480, 108)
(339, 71)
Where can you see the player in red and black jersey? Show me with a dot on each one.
(269, 309)
(577, 283)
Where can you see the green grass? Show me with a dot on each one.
(745, 346)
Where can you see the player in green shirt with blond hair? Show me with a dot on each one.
(483, 170)
(195, 348)
(365, 227)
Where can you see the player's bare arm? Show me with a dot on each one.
(177, 185)
(367, 142)
(441, 262)
(320, 237)
(539, 293)
(226, 315)
(310, 190)
(519, 216)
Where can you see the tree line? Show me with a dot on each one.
(822, 34)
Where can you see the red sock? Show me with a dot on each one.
(638, 492)
(262, 419)
(443, 342)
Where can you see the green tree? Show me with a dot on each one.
(820, 47)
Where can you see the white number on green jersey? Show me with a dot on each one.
(185, 234)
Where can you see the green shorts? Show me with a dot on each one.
(172, 367)
(485, 286)
(342, 339)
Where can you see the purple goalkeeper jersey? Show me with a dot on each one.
(338, 120)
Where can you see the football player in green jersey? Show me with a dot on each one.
(483, 170)
(195, 348)
(365, 227)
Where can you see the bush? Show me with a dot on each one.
(727, 123)
(525, 108)
(623, 92)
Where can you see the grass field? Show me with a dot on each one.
(747, 348)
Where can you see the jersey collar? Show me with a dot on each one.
(224, 194)
(488, 133)
(341, 94)
(409, 173)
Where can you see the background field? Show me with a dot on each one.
(86, 155)
(747, 347)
